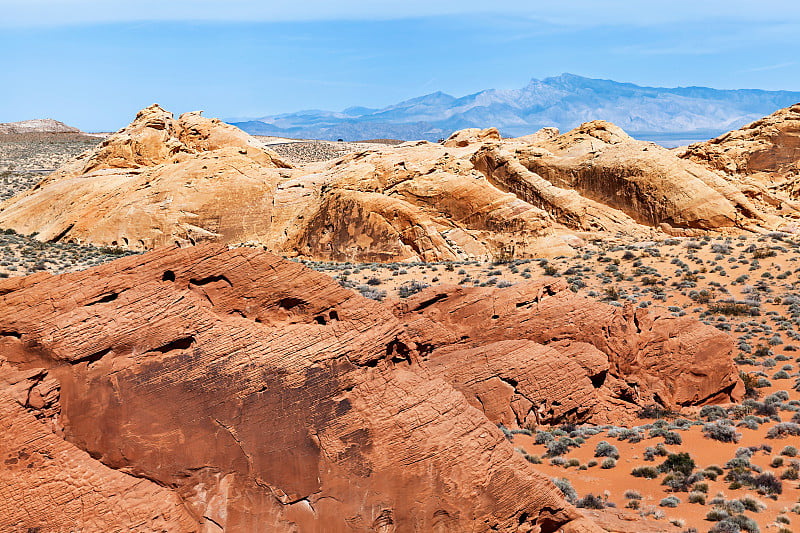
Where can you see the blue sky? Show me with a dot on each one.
(93, 63)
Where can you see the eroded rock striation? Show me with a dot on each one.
(641, 179)
(263, 396)
(767, 150)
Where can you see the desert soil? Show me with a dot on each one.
(300, 152)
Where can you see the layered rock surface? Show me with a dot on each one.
(263, 396)
(768, 150)
(641, 179)
(162, 181)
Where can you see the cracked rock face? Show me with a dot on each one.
(230, 389)
(165, 181)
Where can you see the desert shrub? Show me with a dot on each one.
(763, 383)
(721, 431)
(765, 409)
(371, 293)
(752, 505)
(745, 523)
(608, 462)
(550, 270)
(566, 489)
(719, 248)
(725, 526)
(590, 501)
(604, 449)
(560, 446)
(670, 501)
(533, 459)
(783, 430)
(647, 472)
(631, 435)
(633, 504)
(734, 506)
(729, 308)
(789, 451)
(713, 412)
(673, 437)
(543, 437)
(777, 397)
(116, 250)
(556, 447)
(650, 453)
(716, 514)
(676, 481)
(656, 411)
(412, 287)
(697, 497)
(750, 389)
(678, 462)
(631, 494)
(767, 483)
(749, 422)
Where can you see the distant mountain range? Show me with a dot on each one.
(669, 116)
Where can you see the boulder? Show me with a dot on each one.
(469, 136)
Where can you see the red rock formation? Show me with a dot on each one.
(768, 149)
(48, 484)
(268, 398)
(623, 354)
(162, 181)
(643, 180)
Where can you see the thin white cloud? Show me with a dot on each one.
(772, 67)
(30, 13)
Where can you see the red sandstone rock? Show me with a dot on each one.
(674, 361)
(48, 484)
(267, 397)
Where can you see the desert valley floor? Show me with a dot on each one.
(699, 464)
